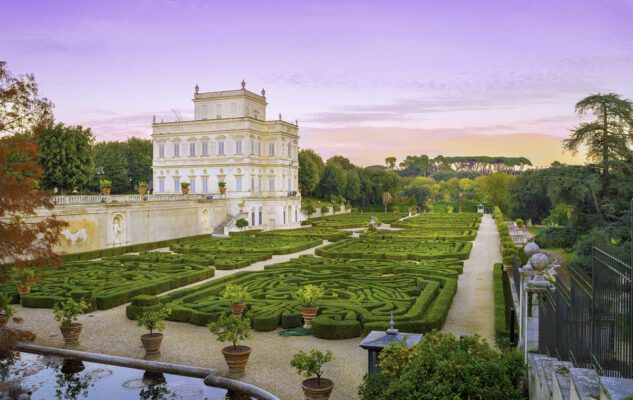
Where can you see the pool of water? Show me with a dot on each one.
(50, 378)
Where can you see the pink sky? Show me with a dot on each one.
(366, 79)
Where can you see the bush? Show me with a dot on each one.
(325, 327)
(241, 223)
(442, 366)
(501, 323)
(67, 312)
(309, 365)
(290, 319)
(325, 209)
(231, 328)
(154, 319)
(553, 237)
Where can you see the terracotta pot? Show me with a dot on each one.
(71, 333)
(184, 190)
(142, 190)
(106, 191)
(236, 359)
(151, 342)
(313, 391)
(222, 190)
(24, 290)
(4, 320)
(237, 308)
(308, 314)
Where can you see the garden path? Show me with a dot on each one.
(472, 311)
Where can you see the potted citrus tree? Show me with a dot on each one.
(241, 223)
(233, 329)
(184, 187)
(24, 279)
(309, 295)
(106, 186)
(237, 295)
(222, 186)
(6, 310)
(519, 223)
(311, 366)
(142, 188)
(66, 313)
(154, 321)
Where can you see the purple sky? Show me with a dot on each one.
(366, 79)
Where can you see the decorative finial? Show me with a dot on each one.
(391, 330)
(297, 122)
(263, 92)
(280, 116)
(243, 84)
(154, 119)
(197, 88)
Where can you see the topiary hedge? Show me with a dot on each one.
(508, 248)
(329, 234)
(395, 249)
(246, 245)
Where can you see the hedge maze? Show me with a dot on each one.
(247, 245)
(329, 234)
(112, 281)
(355, 220)
(395, 249)
(360, 295)
(425, 234)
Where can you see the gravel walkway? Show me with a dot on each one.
(110, 332)
(472, 311)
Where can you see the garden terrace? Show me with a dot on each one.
(355, 220)
(360, 295)
(329, 234)
(423, 233)
(396, 249)
(247, 245)
(112, 281)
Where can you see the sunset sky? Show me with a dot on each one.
(365, 79)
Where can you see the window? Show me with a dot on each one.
(259, 148)
(289, 151)
(271, 149)
(192, 149)
(238, 146)
(218, 111)
(253, 185)
(161, 185)
(192, 184)
(204, 111)
(205, 184)
(289, 184)
(176, 185)
(221, 148)
(260, 185)
(161, 150)
(238, 183)
(271, 184)
(177, 150)
(252, 146)
(205, 148)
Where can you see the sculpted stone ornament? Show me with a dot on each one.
(540, 262)
(531, 248)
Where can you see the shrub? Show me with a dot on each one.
(231, 328)
(66, 312)
(442, 366)
(241, 223)
(291, 319)
(309, 365)
(325, 209)
(154, 319)
(518, 221)
(310, 294)
(553, 237)
(105, 183)
(309, 209)
(501, 324)
(235, 293)
(6, 309)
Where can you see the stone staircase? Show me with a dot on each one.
(225, 227)
(549, 378)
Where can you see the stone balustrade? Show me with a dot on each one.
(128, 198)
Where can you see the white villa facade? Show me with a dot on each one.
(231, 141)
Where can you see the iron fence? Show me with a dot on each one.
(590, 323)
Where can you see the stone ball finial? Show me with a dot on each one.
(280, 116)
(197, 88)
(539, 262)
(263, 92)
(243, 84)
(531, 248)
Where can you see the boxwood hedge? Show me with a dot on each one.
(395, 249)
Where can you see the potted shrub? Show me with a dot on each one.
(106, 186)
(519, 223)
(154, 321)
(6, 310)
(184, 187)
(24, 279)
(233, 328)
(222, 186)
(311, 365)
(325, 210)
(66, 313)
(309, 295)
(237, 295)
(241, 223)
(142, 188)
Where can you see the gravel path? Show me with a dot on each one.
(110, 332)
(472, 311)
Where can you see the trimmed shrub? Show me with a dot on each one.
(291, 319)
(326, 327)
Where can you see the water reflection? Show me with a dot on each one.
(69, 384)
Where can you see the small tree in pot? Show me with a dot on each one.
(153, 320)
(24, 278)
(309, 295)
(222, 186)
(142, 188)
(310, 365)
(6, 310)
(184, 187)
(106, 186)
(241, 223)
(237, 295)
(66, 313)
(233, 328)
